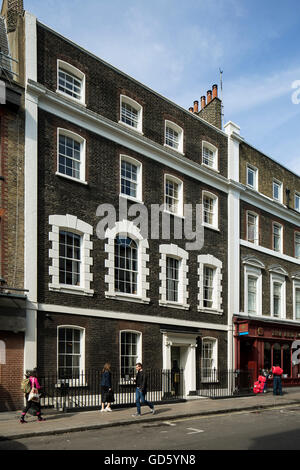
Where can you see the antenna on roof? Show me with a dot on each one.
(221, 96)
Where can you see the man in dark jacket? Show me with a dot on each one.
(141, 390)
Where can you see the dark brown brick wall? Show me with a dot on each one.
(104, 84)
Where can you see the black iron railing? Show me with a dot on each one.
(216, 383)
(84, 390)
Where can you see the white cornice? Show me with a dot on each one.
(128, 316)
(269, 252)
(79, 115)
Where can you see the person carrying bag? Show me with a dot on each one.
(32, 398)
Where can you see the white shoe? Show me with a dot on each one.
(108, 409)
(101, 411)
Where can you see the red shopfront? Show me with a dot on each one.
(262, 344)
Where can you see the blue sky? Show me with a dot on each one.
(177, 48)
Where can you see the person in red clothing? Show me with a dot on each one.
(34, 383)
(277, 383)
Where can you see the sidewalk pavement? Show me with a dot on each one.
(58, 423)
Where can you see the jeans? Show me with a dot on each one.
(141, 400)
(277, 385)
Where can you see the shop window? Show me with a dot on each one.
(276, 354)
(267, 356)
(286, 359)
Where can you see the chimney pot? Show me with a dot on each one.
(215, 91)
(203, 102)
(191, 109)
(209, 96)
(196, 106)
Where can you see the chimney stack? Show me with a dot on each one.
(203, 102)
(209, 96)
(14, 10)
(196, 106)
(215, 91)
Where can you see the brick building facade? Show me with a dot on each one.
(97, 140)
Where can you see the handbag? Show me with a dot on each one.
(110, 396)
(34, 395)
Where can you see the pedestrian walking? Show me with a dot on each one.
(106, 388)
(141, 390)
(277, 383)
(31, 389)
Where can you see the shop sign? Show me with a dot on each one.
(260, 331)
(243, 329)
(285, 334)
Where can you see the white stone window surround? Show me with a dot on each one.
(296, 287)
(216, 264)
(179, 182)
(213, 149)
(297, 244)
(253, 268)
(215, 199)
(278, 276)
(81, 380)
(138, 164)
(138, 107)
(139, 336)
(277, 183)
(71, 223)
(179, 131)
(280, 227)
(174, 251)
(68, 68)
(127, 228)
(214, 374)
(254, 170)
(82, 141)
(256, 216)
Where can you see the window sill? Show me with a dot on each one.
(70, 98)
(177, 305)
(175, 150)
(131, 198)
(173, 213)
(212, 227)
(211, 168)
(210, 310)
(131, 127)
(71, 178)
(127, 298)
(65, 288)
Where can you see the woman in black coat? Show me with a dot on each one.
(106, 388)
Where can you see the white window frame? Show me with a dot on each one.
(296, 286)
(277, 224)
(253, 214)
(134, 104)
(216, 264)
(254, 272)
(71, 223)
(173, 179)
(297, 202)
(215, 224)
(73, 71)
(212, 148)
(81, 380)
(179, 131)
(280, 280)
(214, 376)
(139, 182)
(176, 252)
(82, 142)
(254, 170)
(139, 358)
(280, 190)
(2, 352)
(127, 229)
